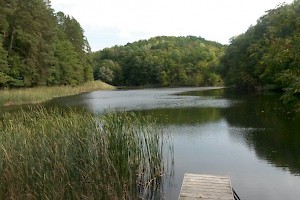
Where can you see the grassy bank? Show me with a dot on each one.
(41, 94)
(69, 155)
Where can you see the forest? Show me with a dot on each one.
(161, 61)
(41, 47)
(267, 54)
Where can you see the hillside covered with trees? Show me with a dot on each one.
(41, 47)
(161, 61)
(267, 55)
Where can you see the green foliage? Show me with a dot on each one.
(161, 61)
(4, 78)
(61, 154)
(107, 71)
(268, 53)
(31, 44)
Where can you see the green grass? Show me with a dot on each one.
(41, 94)
(73, 155)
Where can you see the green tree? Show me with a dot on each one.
(107, 71)
(4, 69)
(267, 54)
(31, 46)
(70, 31)
(164, 61)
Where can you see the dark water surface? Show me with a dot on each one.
(249, 137)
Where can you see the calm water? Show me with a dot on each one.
(249, 137)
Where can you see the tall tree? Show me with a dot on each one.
(268, 53)
(38, 47)
(30, 31)
(4, 78)
(70, 30)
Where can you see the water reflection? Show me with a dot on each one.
(183, 116)
(264, 124)
(241, 140)
(277, 139)
(219, 132)
(250, 137)
(143, 99)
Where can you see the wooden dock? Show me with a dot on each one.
(198, 186)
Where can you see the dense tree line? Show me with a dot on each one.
(40, 47)
(161, 61)
(268, 53)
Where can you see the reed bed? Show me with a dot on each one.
(41, 94)
(55, 154)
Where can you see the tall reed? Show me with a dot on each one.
(55, 154)
(41, 94)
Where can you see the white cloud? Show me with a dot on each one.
(111, 22)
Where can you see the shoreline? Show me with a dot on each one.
(16, 97)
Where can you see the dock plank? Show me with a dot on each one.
(206, 187)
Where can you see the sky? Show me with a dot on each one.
(116, 22)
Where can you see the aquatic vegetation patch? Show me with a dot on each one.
(55, 154)
(41, 94)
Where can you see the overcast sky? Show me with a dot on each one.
(117, 22)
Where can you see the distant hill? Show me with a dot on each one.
(161, 61)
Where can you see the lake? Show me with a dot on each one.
(250, 137)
